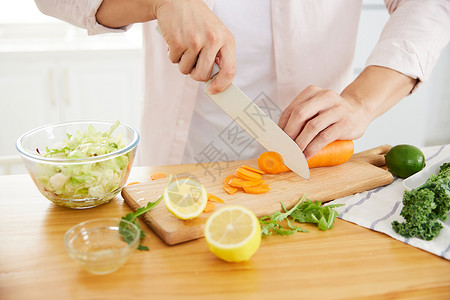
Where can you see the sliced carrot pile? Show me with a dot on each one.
(253, 169)
(239, 182)
(247, 174)
(158, 176)
(246, 179)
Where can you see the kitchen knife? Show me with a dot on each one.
(258, 125)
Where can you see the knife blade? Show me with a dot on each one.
(266, 132)
(259, 125)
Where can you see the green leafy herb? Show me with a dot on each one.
(125, 230)
(424, 206)
(314, 212)
(303, 212)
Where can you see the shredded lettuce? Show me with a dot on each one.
(87, 180)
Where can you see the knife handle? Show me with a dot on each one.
(215, 68)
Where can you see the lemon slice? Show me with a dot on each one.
(185, 198)
(233, 233)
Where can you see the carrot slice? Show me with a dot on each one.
(158, 176)
(209, 207)
(257, 189)
(335, 153)
(252, 169)
(230, 189)
(213, 198)
(238, 182)
(247, 174)
(131, 183)
(228, 178)
(271, 162)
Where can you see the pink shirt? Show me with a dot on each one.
(314, 43)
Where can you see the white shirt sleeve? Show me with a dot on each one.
(80, 13)
(414, 37)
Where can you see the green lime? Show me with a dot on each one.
(404, 160)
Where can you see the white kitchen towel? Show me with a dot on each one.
(378, 208)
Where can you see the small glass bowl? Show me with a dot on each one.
(105, 175)
(100, 245)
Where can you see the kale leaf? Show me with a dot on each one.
(425, 206)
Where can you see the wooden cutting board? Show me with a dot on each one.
(364, 171)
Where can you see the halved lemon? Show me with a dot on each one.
(185, 198)
(233, 233)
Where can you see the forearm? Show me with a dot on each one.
(377, 89)
(119, 13)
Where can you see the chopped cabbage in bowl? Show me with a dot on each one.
(87, 168)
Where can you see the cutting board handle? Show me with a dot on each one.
(374, 156)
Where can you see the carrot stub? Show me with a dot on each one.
(158, 176)
(335, 153)
(272, 163)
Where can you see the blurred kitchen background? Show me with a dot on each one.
(51, 71)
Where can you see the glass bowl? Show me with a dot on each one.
(102, 246)
(78, 182)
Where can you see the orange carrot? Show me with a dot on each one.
(158, 176)
(247, 174)
(209, 207)
(131, 183)
(213, 198)
(230, 189)
(272, 163)
(335, 153)
(238, 182)
(252, 169)
(257, 189)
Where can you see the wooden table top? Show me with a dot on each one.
(347, 262)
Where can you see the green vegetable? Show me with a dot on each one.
(89, 180)
(313, 212)
(124, 230)
(303, 212)
(424, 206)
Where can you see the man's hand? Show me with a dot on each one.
(318, 117)
(196, 38)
